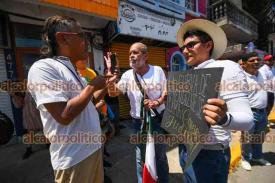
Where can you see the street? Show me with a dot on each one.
(37, 168)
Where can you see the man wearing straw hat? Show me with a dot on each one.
(202, 42)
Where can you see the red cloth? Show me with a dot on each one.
(147, 178)
(267, 57)
(149, 169)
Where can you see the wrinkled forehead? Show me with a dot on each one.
(137, 47)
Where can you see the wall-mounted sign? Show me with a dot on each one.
(137, 21)
(10, 64)
(166, 7)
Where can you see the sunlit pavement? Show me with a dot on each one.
(37, 168)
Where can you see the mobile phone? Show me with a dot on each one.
(113, 62)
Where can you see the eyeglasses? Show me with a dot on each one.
(82, 35)
(190, 45)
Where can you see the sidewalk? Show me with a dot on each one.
(38, 167)
(259, 174)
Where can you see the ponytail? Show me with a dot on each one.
(53, 25)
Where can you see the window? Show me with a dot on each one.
(4, 41)
(178, 62)
(27, 35)
(175, 64)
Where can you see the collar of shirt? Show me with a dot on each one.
(204, 64)
(66, 61)
(63, 58)
(144, 75)
(251, 75)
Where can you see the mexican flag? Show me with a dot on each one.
(149, 168)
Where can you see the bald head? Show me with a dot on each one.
(138, 56)
(142, 47)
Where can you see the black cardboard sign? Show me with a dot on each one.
(187, 93)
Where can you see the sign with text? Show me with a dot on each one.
(165, 7)
(10, 64)
(187, 93)
(136, 21)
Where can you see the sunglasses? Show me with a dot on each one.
(190, 45)
(82, 35)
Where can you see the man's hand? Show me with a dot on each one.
(152, 104)
(98, 83)
(214, 111)
(111, 69)
(108, 64)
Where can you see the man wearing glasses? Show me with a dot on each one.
(254, 138)
(70, 120)
(201, 42)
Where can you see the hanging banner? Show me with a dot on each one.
(187, 93)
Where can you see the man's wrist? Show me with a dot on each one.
(158, 102)
(226, 120)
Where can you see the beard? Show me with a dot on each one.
(136, 65)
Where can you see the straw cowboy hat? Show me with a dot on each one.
(213, 30)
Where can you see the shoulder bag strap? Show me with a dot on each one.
(144, 94)
(73, 73)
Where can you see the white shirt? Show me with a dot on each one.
(50, 81)
(233, 85)
(273, 71)
(154, 82)
(257, 95)
(268, 75)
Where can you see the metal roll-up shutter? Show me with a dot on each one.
(5, 102)
(156, 57)
(122, 51)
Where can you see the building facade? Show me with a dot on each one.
(20, 37)
(239, 25)
(110, 25)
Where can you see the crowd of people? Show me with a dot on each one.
(74, 102)
(261, 100)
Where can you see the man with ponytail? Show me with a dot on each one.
(69, 118)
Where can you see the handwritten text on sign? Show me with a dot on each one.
(187, 93)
